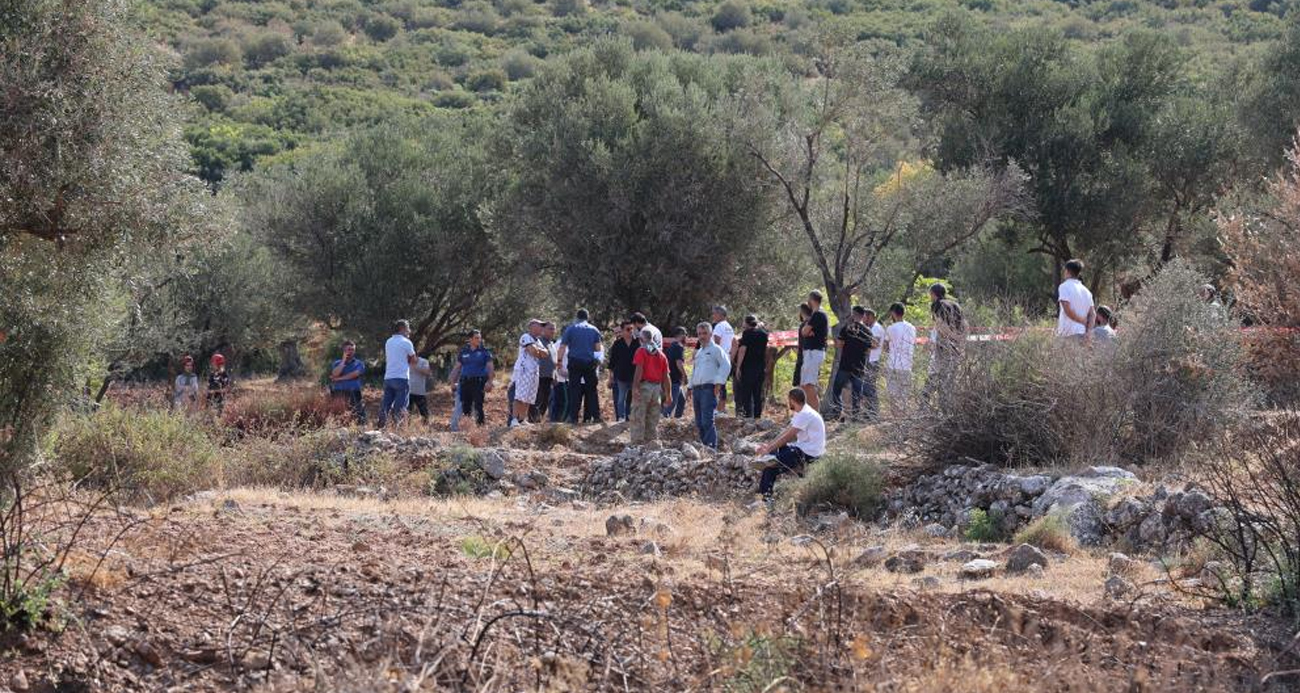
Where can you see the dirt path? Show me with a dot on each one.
(265, 590)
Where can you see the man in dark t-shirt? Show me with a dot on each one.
(752, 356)
(814, 333)
(621, 369)
(676, 353)
(855, 344)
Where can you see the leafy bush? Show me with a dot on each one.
(380, 27)
(214, 97)
(1050, 532)
(263, 48)
(146, 455)
(283, 409)
(731, 14)
(1172, 380)
(841, 481)
(476, 546)
(214, 51)
(984, 527)
(647, 36)
(487, 80)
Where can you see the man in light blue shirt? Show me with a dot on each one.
(399, 356)
(708, 376)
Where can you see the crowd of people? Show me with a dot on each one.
(556, 374)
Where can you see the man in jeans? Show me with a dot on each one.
(814, 333)
(676, 354)
(621, 369)
(399, 356)
(473, 377)
(345, 380)
(580, 345)
(708, 376)
(854, 343)
(797, 446)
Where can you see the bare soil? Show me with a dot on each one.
(264, 590)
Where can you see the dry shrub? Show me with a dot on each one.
(146, 455)
(1172, 379)
(1253, 479)
(284, 409)
(1261, 239)
(308, 460)
(1050, 532)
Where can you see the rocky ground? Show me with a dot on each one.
(572, 562)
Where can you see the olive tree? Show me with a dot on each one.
(633, 185)
(389, 224)
(91, 172)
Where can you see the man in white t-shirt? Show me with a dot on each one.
(724, 335)
(399, 356)
(797, 446)
(1077, 312)
(900, 343)
(871, 376)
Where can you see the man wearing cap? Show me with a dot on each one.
(526, 373)
(345, 380)
(219, 384)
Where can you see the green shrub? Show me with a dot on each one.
(730, 15)
(476, 546)
(310, 460)
(984, 527)
(486, 80)
(147, 455)
(380, 27)
(841, 481)
(1049, 532)
(264, 48)
(214, 97)
(454, 99)
(206, 52)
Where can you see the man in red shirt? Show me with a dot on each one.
(650, 387)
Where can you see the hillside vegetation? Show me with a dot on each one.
(269, 78)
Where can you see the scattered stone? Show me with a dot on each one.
(255, 660)
(18, 682)
(116, 635)
(978, 569)
(649, 525)
(936, 530)
(1024, 556)
(638, 474)
(690, 452)
(493, 463)
(906, 562)
(1120, 564)
(1117, 587)
(1035, 571)
(230, 505)
(1080, 498)
(620, 525)
(960, 555)
(829, 522)
(926, 582)
(870, 557)
(650, 549)
(147, 652)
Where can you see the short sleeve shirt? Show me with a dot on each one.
(901, 337)
(821, 328)
(811, 438)
(726, 334)
(1080, 299)
(754, 340)
(474, 362)
(526, 363)
(581, 341)
(877, 341)
(419, 383)
(353, 366)
(857, 341)
(396, 351)
(654, 367)
(675, 353)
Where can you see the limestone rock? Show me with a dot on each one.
(978, 569)
(1117, 587)
(870, 557)
(1024, 556)
(620, 525)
